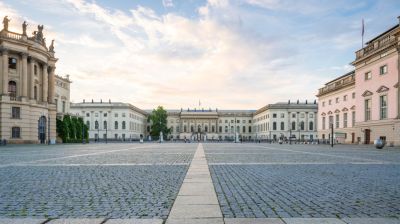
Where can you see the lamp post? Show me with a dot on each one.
(332, 135)
(290, 136)
(49, 129)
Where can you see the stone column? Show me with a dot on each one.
(24, 75)
(45, 83)
(5, 71)
(51, 85)
(32, 80)
(306, 123)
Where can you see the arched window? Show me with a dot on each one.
(249, 129)
(293, 125)
(212, 129)
(244, 129)
(35, 96)
(96, 125)
(302, 125)
(274, 126)
(184, 128)
(16, 132)
(123, 125)
(105, 124)
(311, 126)
(177, 129)
(116, 125)
(282, 126)
(88, 125)
(206, 128)
(12, 89)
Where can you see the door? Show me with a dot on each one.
(42, 129)
(353, 136)
(367, 136)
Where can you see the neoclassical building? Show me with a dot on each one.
(208, 124)
(111, 121)
(27, 66)
(62, 95)
(295, 120)
(337, 107)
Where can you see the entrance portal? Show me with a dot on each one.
(42, 129)
(367, 136)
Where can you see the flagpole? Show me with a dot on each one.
(362, 34)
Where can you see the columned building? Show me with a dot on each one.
(201, 124)
(27, 66)
(337, 109)
(297, 121)
(377, 71)
(111, 121)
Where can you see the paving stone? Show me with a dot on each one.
(371, 220)
(253, 221)
(134, 221)
(21, 221)
(76, 221)
(312, 221)
(196, 221)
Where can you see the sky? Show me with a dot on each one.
(225, 54)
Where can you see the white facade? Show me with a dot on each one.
(62, 94)
(111, 121)
(285, 120)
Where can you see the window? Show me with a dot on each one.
(337, 99)
(12, 63)
(220, 129)
(302, 125)
(16, 112)
(15, 132)
(206, 128)
(330, 121)
(35, 96)
(345, 98)
(244, 129)
(282, 115)
(323, 123)
(311, 126)
(282, 126)
(116, 125)
(226, 129)
(353, 118)
(123, 115)
(337, 121)
(367, 109)
(249, 121)
(345, 120)
(274, 126)
(323, 104)
(115, 115)
(249, 129)
(383, 70)
(63, 106)
(105, 124)
(302, 115)
(293, 115)
(293, 125)
(368, 76)
(330, 102)
(116, 136)
(383, 106)
(237, 121)
(12, 89)
(273, 115)
(35, 69)
(353, 95)
(87, 115)
(123, 125)
(212, 129)
(96, 125)
(105, 115)
(88, 124)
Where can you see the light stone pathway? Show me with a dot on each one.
(197, 201)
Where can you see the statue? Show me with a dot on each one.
(6, 20)
(24, 25)
(38, 35)
(51, 47)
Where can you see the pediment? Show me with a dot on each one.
(382, 89)
(367, 93)
(345, 109)
(397, 85)
(353, 107)
(337, 111)
(330, 112)
(323, 114)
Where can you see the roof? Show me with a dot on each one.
(382, 34)
(340, 77)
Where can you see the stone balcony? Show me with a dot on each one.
(336, 85)
(376, 46)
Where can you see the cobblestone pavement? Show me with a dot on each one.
(92, 181)
(270, 180)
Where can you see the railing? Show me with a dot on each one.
(11, 35)
(378, 44)
(337, 85)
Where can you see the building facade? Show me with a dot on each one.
(377, 67)
(296, 121)
(200, 124)
(337, 108)
(27, 66)
(111, 121)
(62, 95)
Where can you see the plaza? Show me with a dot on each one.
(199, 183)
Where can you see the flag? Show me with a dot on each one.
(362, 28)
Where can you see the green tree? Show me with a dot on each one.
(158, 119)
(66, 126)
(60, 128)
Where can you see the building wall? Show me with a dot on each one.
(62, 94)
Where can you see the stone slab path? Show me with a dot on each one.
(196, 201)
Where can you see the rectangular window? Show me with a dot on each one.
(345, 98)
(345, 120)
(323, 123)
(330, 121)
(273, 115)
(353, 95)
(282, 115)
(87, 115)
(383, 106)
(15, 132)
(383, 70)
(105, 115)
(16, 112)
(337, 99)
(337, 120)
(353, 118)
(367, 109)
(12, 63)
(123, 114)
(63, 106)
(368, 76)
(293, 115)
(330, 102)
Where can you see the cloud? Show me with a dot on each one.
(167, 3)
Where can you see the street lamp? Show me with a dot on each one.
(290, 136)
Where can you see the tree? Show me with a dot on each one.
(158, 120)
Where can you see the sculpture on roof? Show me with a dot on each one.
(51, 47)
(6, 20)
(38, 35)
(24, 25)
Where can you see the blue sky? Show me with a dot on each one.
(230, 54)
